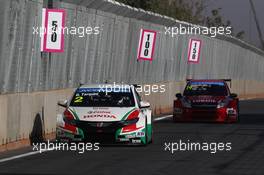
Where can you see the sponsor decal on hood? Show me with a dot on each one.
(101, 114)
(205, 99)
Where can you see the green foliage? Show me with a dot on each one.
(216, 20)
(190, 11)
(144, 4)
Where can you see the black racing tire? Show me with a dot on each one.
(146, 132)
(173, 119)
(238, 112)
(151, 140)
(57, 139)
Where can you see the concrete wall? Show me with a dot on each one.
(18, 112)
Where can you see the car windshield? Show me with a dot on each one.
(98, 97)
(205, 88)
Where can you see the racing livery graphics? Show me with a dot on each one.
(105, 115)
(206, 100)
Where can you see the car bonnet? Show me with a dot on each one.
(102, 114)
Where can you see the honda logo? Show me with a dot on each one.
(99, 125)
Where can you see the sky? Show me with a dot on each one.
(240, 14)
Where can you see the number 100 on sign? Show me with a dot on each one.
(147, 42)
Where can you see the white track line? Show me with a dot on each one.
(162, 118)
(23, 155)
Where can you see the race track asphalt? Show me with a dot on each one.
(245, 158)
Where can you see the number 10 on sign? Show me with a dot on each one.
(147, 42)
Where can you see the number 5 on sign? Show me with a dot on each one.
(194, 50)
(146, 46)
(54, 21)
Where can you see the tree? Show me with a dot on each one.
(191, 11)
(143, 4)
(216, 20)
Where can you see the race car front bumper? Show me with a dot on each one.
(205, 114)
(102, 132)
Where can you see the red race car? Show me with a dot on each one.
(206, 100)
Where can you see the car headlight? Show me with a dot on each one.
(68, 118)
(132, 118)
(131, 121)
(222, 103)
(69, 121)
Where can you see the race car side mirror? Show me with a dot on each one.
(144, 104)
(63, 103)
(233, 95)
(178, 95)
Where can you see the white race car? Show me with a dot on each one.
(105, 113)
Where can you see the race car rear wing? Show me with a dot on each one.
(226, 80)
(230, 82)
(136, 86)
(188, 79)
